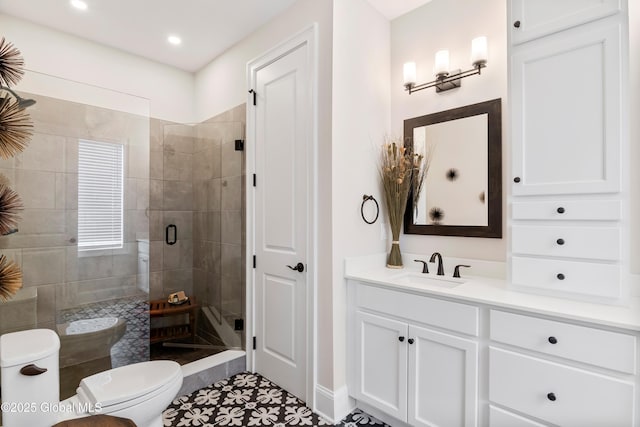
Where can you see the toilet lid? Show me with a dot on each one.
(128, 382)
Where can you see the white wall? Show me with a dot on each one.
(56, 62)
(416, 36)
(361, 119)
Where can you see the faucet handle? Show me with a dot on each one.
(456, 271)
(425, 267)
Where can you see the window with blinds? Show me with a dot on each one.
(100, 195)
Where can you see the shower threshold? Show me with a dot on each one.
(199, 346)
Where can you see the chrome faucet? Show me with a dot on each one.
(440, 266)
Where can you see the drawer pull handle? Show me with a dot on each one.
(553, 340)
(516, 24)
(560, 242)
(560, 276)
(401, 339)
(410, 341)
(560, 210)
(516, 179)
(551, 397)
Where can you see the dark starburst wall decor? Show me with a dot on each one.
(10, 278)
(453, 174)
(10, 205)
(16, 128)
(11, 64)
(436, 214)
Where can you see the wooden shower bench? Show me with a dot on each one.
(161, 308)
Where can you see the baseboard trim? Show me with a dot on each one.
(333, 405)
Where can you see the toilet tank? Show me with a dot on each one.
(30, 377)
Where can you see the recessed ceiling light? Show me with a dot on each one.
(79, 4)
(174, 40)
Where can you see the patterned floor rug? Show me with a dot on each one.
(248, 399)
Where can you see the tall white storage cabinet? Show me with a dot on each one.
(568, 77)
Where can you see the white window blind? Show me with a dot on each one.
(100, 195)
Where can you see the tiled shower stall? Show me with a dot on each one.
(187, 175)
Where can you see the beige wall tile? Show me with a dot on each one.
(37, 189)
(232, 160)
(178, 166)
(178, 195)
(231, 193)
(44, 153)
(43, 266)
(231, 226)
(43, 221)
(46, 304)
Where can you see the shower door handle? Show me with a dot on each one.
(167, 234)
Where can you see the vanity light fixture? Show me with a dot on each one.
(445, 79)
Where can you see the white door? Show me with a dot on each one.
(566, 131)
(381, 355)
(443, 384)
(282, 227)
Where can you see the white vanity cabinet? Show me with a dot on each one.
(559, 373)
(568, 76)
(413, 357)
(531, 19)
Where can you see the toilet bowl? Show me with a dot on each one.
(29, 364)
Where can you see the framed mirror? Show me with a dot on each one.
(462, 190)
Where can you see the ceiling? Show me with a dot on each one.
(141, 27)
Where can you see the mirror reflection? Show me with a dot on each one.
(462, 192)
(455, 188)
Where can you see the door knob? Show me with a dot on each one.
(299, 267)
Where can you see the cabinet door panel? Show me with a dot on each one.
(381, 379)
(443, 385)
(566, 112)
(540, 17)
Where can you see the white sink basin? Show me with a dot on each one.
(421, 279)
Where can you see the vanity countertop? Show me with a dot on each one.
(494, 292)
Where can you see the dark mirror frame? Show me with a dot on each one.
(493, 109)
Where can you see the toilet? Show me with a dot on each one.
(30, 382)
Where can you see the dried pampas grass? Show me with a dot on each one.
(10, 278)
(10, 204)
(16, 128)
(11, 64)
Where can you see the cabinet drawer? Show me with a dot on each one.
(501, 418)
(602, 243)
(607, 349)
(602, 280)
(576, 210)
(557, 393)
(444, 314)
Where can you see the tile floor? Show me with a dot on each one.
(248, 399)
